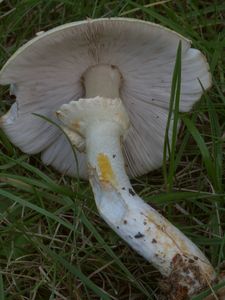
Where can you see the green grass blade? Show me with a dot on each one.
(181, 196)
(6, 143)
(164, 20)
(76, 272)
(202, 146)
(172, 122)
(2, 296)
(70, 226)
(39, 183)
(217, 52)
(36, 208)
(67, 138)
(217, 148)
(204, 294)
(111, 253)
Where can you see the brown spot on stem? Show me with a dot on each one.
(154, 241)
(75, 126)
(12, 97)
(131, 192)
(139, 235)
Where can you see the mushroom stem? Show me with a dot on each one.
(103, 122)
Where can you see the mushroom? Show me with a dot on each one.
(107, 83)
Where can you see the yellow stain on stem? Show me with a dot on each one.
(106, 170)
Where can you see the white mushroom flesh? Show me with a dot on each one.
(102, 121)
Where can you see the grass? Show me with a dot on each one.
(53, 244)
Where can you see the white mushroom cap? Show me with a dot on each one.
(47, 72)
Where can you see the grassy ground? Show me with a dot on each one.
(53, 245)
